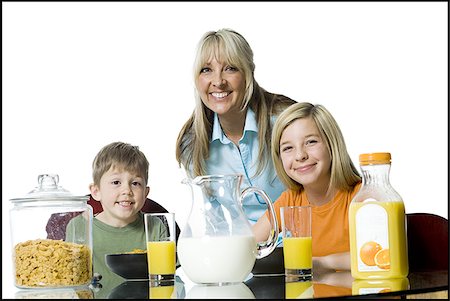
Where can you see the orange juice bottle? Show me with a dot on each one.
(377, 223)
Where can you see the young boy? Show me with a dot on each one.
(120, 174)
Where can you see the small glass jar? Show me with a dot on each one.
(42, 256)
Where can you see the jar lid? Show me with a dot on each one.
(48, 189)
(375, 158)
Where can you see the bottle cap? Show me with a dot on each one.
(375, 158)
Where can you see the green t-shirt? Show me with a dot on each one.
(112, 240)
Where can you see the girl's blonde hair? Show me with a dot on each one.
(344, 175)
(120, 155)
(228, 46)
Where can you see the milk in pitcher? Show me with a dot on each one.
(207, 259)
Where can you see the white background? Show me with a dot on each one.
(77, 76)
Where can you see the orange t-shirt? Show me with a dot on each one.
(329, 221)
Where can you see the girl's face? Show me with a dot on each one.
(304, 154)
(221, 87)
(122, 196)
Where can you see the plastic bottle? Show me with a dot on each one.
(377, 223)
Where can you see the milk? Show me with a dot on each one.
(217, 259)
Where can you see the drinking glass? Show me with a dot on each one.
(297, 241)
(161, 249)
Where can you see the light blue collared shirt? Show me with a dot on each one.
(226, 158)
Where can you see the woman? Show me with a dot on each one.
(229, 131)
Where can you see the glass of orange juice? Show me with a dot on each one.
(297, 241)
(161, 249)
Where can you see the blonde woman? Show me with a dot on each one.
(229, 131)
(311, 159)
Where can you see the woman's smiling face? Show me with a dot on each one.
(221, 87)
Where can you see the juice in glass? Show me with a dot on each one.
(297, 253)
(378, 240)
(161, 257)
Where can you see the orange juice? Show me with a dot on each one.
(297, 252)
(162, 292)
(378, 245)
(161, 257)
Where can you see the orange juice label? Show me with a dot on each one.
(372, 238)
(378, 240)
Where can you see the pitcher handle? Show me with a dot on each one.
(265, 248)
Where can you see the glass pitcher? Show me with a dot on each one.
(217, 244)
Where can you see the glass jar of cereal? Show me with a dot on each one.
(44, 255)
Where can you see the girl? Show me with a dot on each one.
(311, 159)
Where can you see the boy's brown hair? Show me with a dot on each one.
(122, 156)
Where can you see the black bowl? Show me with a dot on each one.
(271, 264)
(129, 266)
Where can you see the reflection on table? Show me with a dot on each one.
(79, 292)
(336, 284)
(142, 289)
(364, 287)
(230, 291)
(277, 286)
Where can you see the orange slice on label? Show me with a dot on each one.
(382, 259)
(368, 252)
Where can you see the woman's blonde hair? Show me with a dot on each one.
(122, 156)
(344, 175)
(228, 46)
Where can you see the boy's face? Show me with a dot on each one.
(122, 196)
